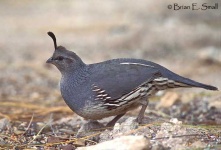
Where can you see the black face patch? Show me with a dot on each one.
(59, 58)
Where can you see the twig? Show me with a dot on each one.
(29, 124)
(39, 132)
(5, 116)
(174, 136)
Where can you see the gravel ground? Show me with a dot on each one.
(32, 112)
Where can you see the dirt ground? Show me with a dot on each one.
(33, 114)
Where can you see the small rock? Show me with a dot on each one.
(17, 131)
(122, 143)
(127, 125)
(175, 121)
(168, 100)
(4, 123)
(80, 142)
(68, 147)
(117, 126)
(210, 53)
(159, 147)
(198, 144)
(106, 136)
(42, 125)
(216, 103)
(53, 139)
(119, 129)
(167, 132)
(67, 131)
(35, 95)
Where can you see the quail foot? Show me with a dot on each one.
(112, 87)
(90, 128)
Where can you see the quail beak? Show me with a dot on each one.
(49, 60)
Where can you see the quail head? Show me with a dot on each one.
(112, 87)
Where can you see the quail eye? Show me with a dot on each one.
(59, 58)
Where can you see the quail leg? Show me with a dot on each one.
(144, 103)
(113, 121)
(89, 127)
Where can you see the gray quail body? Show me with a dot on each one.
(113, 87)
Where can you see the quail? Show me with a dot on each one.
(113, 87)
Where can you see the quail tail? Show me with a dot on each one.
(208, 87)
(197, 84)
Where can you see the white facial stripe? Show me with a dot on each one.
(128, 63)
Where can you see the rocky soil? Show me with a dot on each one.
(32, 112)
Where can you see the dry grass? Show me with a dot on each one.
(100, 30)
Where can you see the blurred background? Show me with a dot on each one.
(185, 41)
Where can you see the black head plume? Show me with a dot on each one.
(51, 34)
